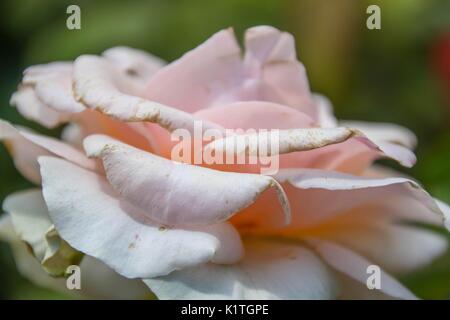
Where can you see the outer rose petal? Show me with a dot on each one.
(347, 192)
(26, 147)
(99, 281)
(94, 219)
(174, 193)
(32, 224)
(32, 108)
(270, 270)
(355, 267)
(102, 87)
(396, 248)
(52, 84)
(325, 116)
(136, 63)
(446, 211)
(384, 132)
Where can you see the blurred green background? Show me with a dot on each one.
(398, 74)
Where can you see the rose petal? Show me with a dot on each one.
(32, 108)
(52, 84)
(271, 55)
(324, 111)
(256, 115)
(384, 132)
(270, 270)
(174, 193)
(102, 87)
(200, 75)
(98, 281)
(346, 192)
(93, 218)
(136, 63)
(352, 156)
(395, 247)
(32, 224)
(25, 147)
(356, 267)
(445, 209)
(286, 141)
(6, 229)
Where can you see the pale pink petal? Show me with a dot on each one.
(398, 198)
(174, 193)
(50, 87)
(52, 84)
(354, 266)
(280, 141)
(135, 133)
(94, 219)
(269, 270)
(256, 115)
(32, 108)
(102, 87)
(26, 147)
(271, 57)
(395, 247)
(138, 64)
(384, 132)
(353, 156)
(200, 75)
(325, 116)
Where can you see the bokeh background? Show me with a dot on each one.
(398, 74)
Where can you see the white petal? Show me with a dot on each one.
(30, 219)
(32, 224)
(97, 280)
(270, 270)
(6, 229)
(446, 211)
(94, 219)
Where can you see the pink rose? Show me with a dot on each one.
(312, 229)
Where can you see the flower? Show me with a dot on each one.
(310, 230)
